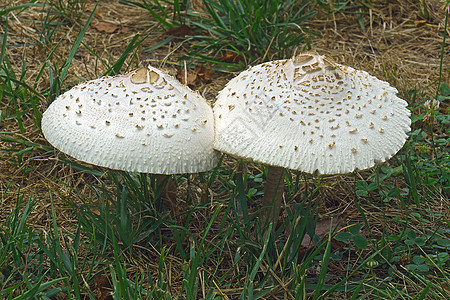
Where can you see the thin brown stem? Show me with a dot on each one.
(169, 191)
(273, 193)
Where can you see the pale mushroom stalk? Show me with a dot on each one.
(273, 193)
(143, 121)
(310, 114)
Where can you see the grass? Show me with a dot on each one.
(89, 232)
(250, 32)
(235, 34)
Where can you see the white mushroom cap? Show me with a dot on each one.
(310, 114)
(143, 121)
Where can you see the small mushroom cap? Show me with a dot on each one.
(143, 121)
(310, 114)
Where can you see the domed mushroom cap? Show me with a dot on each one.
(143, 121)
(310, 114)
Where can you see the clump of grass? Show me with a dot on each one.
(357, 8)
(128, 216)
(161, 10)
(23, 268)
(235, 34)
(250, 32)
(70, 11)
(56, 14)
(430, 138)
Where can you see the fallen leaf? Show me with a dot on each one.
(108, 27)
(179, 31)
(323, 229)
(124, 30)
(232, 57)
(193, 77)
(204, 73)
(102, 286)
(188, 78)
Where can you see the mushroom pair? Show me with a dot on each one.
(309, 114)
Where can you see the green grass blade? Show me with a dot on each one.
(258, 262)
(132, 46)
(153, 12)
(4, 42)
(344, 280)
(324, 266)
(424, 292)
(76, 44)
(21, 7)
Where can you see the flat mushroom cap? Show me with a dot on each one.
(310, 114)
(143, 121)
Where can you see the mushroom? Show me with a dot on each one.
(143, 121)
(309, 114)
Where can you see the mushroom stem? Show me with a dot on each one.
(168, 191)
(273, 193)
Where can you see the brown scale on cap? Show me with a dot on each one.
(139, 76)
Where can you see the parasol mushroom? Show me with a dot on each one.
(143, 121)
(309, 114)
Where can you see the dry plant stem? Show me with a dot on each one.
(273, 193)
